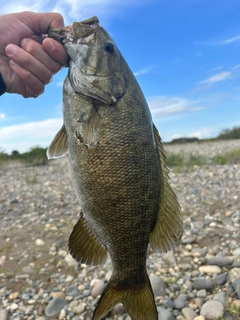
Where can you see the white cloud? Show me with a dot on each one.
(167, 106)
(217, 78)
(218, 43)
(22, 137)
(200, 134)
(2, 116)
(143, 71)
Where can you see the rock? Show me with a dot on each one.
(188, 240)
(180, 301)
(236, 252)
(189, 314)
(158, 285)
(199, 318)
(234, 274)
(169, 258)
(62, 314)
(168, 303)
(72, 291)
(3, 314)
(164, 314)
(70, 261)
(55, 306)
(97, 287)
(221, 279)
(221, 297)
(209, 269)
(212, 310)
(118, 309)
(13, 306)
(236, 285)
(80, 308)
(2, 260)
(58, 294)
(13, 296)
(202, 293)
(39, 242)
(202, 283)
(219, 261)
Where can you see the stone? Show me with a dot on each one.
(3, 314)
(55, 306)
(236, 252)
(221, 279)
(119, 309)
(13, 296)
(236, 285)
(180, 301)
(72, 291)
(189, 314)
(234, 274)
(169, 258)
(202, 293)
(13, 306)
(80, 308)
(236, 305)
(70, 261)
(202, 283)
(199, 318)
(62, 314)
(158, 285)
(39, 242)
(221, 297)
(219, 261)
(168, 303)
(97, 288)
(209, 269)
(212, 310)
(59, 294)
(164, 314)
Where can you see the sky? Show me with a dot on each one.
(185, 55)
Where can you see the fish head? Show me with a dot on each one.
(95, 61)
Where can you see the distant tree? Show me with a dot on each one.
(226, 134)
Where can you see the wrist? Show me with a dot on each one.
(3, 87)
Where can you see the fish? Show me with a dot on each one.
(118, 169)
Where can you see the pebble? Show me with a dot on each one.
(219, 261)
(164, 314)
(221, 279)
(55, 306)
(209, 269)
(212, 310)
(59, 294)
(3, 314)
(39, 242)
(180, 301)
(72, 291)
(13, 295)
(221, 297)
(97, 288)
(189, 314)
(158, 285)
(203, 283)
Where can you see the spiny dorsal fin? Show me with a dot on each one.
(84, 246)
(59, 146)
(167, 231)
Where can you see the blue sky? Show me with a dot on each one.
(185, 55)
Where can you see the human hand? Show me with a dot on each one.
(27, 58)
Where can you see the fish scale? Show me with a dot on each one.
(118, 168)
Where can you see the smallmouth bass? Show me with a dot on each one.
(118, 168)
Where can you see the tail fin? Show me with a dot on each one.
(138, 302)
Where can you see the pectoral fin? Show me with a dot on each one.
(84, 246)
(167, 231)
(59, 146)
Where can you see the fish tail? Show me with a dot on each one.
(138, 302)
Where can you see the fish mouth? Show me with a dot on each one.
(79, 32)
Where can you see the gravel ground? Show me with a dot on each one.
(39, 280)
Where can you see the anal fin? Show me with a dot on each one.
(83, 245)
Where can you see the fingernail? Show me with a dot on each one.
(13, 64)
(23, 42)
(10, 50)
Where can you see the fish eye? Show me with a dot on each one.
(109, 47)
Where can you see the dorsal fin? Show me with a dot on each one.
(167, 231)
